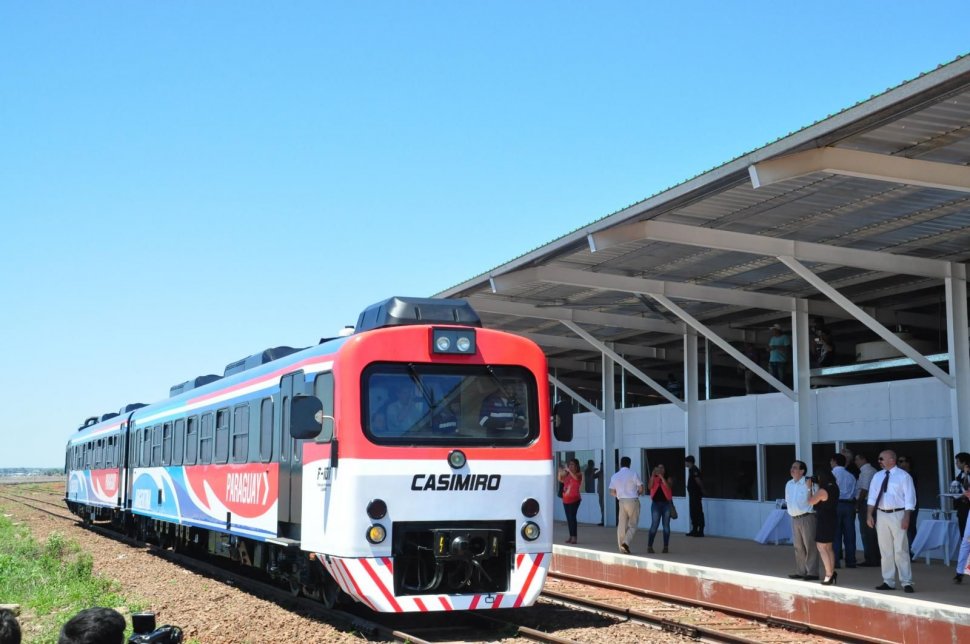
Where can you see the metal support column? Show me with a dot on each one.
(609, 434)
(692, 417)
(956, 332)
(804, 434)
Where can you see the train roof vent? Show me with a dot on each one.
(130, 407)
(401, 311)
(91, 420)
(268, 355)
(189, 385)
(110, 414)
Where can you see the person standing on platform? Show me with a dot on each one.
(964, 546)
(599, 492)
(826, 500)
(962, 479)
(850, 465)
(906, 463)
(627, 487)
(844, 512)
(892, 499)
(662, 498)
(962, 506)
(870, 544)
(572, 480)
(802, 524)
(695, 492)
(779, 346)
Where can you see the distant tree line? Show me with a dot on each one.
(30, 471)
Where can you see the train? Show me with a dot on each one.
(406, 465)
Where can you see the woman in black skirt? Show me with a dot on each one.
(825, 501)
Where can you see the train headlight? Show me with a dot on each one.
(376, 533)
(456, 459)
(377, 509)
(530, 508)
(460, 341)
(530, 531)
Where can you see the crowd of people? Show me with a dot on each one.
(824, 509)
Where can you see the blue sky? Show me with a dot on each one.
(186, 183)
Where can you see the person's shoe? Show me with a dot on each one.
(810, 577)
(866, 564)
(795, 576)
(885, 586)
(908, 588)
(699, 533)
(600, 523)
(665, 551)
(958, 578)
(851, 565)
(650, 549)
(829, 581)
(691, 534)
(625, 548)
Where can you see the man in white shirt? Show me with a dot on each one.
(844, 512)
(627, 487)
(802, 524)
(870, 544)
(892, 499)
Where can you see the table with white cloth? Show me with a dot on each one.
(936, 534)
(777, 528)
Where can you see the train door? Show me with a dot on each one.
(291, 452)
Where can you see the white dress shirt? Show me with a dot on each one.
(900, 494)
(866, 472)
(846, 483)
(796, 497)
(627, 484)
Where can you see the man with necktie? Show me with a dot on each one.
(892, 499)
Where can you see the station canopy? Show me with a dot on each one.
(873, 201)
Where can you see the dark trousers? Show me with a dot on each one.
(571, 510)
(870, 542)
(845, 532)
(659, 512)
(696, 513)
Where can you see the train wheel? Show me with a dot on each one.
(296, 589)
(330, 593)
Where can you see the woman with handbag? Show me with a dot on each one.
(571, 479)
(662, 504)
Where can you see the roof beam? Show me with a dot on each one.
(626, 284)
(650, 382)
(572, 394)
(719, 341)
(867, 165)
(563, 342)
(884, 333)
(561, 313)
(662, 231)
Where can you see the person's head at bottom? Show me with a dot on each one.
(94, 626)
(9, 627)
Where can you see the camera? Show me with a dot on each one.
(810, 478)
(143, 625)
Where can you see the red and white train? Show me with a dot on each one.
(407, 466)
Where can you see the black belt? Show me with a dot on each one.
(893, 510)
(803, 514)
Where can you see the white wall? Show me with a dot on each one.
(916, 409)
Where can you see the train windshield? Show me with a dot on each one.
(426, 404)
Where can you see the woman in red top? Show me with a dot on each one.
(663, 500)
(571, 478)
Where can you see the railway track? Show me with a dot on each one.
(570, 610)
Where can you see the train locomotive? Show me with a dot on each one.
(407, 466)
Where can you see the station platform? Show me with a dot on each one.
(746, 575)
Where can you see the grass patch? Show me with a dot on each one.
(51, 581)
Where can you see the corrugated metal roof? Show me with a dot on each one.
(927, 118)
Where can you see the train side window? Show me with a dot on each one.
(167, 444)
(156, 445)
(191, 440)
(240, 434)
(109, 451)
(205, 439)
(178, 442)
(266, 430)
(222, 435)
(98, 450)
(323, 389)
(146, 446)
